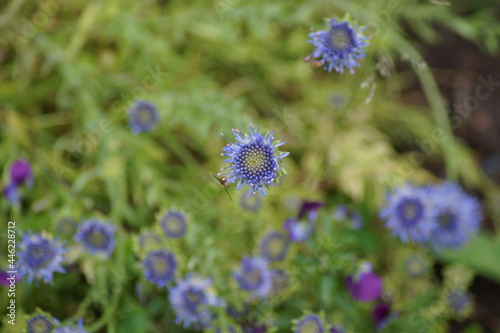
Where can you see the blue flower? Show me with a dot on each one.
(459, 302)
(274, 246)
(40, 324)
(143, 117)
(191, 300)
(336, 329)
(40, 257)
(254, 160)
(97, 237)
(309, 324)
(254, 276)
(174, 224)
(159, 267)
(11, 192)
(71, 329)
(416, 266)
(409, 214)
(458, 215)
(340, 46)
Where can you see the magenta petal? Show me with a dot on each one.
(368, 288)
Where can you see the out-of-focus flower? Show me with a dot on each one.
(250, 203)
(254, 276)
(71, 329)
(309, 324)
(459, 302)
(191, 299)
(66, 227)
(143, 117)
(416, 266)
(345, 213)
(20, 173)
(254, 160)
(39, 257)
(336, 329)
(365, 286)
(338, 47)
(6, 279)
(174, 224)
(458, 215)
(409, 214)
(12, 194)
(97, 237)
(40, 323)
(159, 267)
(382, 315)
(274, 246)
(299, 229)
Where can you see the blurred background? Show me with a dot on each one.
(70, 70)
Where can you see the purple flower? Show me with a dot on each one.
(254, 276)
(365, 286)
(382, 314)
(11, 192)
(336, 329)
(6, 279)
(20, 173)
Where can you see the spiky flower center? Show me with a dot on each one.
(40, 253)
(193, 297)
(174, 224)
(255, 161)
(447, 221)
(341, 38)
(310, 326)
(97, 238)
(254, 278)
(410, 211)
(275, 246)
(145, 115)
(161, 264)
(39, 324)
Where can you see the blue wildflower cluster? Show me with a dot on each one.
(174, 224)
(143, 117)
(442, 215)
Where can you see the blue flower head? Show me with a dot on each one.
(191, 299)
(174, 224)
(39, 257)
(459, 302)
(274, 246)
(254, 160)
(12, 194)
(97, 237)
(71, 329)
(254, 276)
(143, 117)
(338, 47)
(409, 214)
(309, 324)
(159, 267)
(299, 229)
(458, 215)
(40, 323)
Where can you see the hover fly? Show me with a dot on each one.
(223, 182)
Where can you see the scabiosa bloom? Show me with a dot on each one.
(274, 246)
(309, 324)
(191, 299)
(254, 160)
(416, 266)
(174, 224)
(40, 257)
(159, 267)
(409, 213)
(20, 173)
(458, 215)
(148, 238)
(250, 203)
(340, 46)
(254, 276)
(459, 302)
(71, 329)
(40, 323)
(365, 286)
(299, 230)
(143, 117)
(97, 237)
